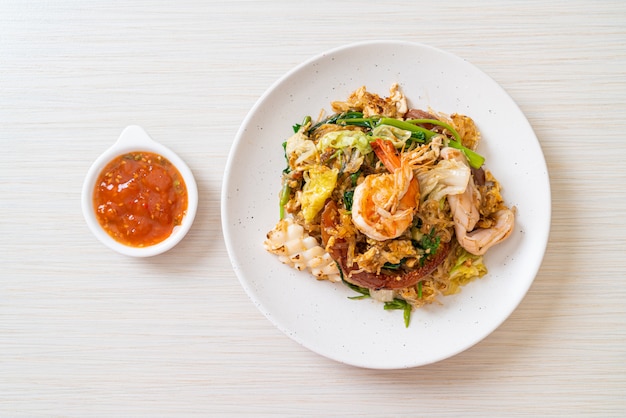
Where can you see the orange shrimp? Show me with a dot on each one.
(384, 204)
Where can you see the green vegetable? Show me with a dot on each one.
(430, 242)
(401, 304)
(391, 266)
(397, 136)
(467, 268)
(427, 134)
(356, 120)
(284, 198)
(287, 169)
(354, 177)
(418, 137)
(339, 116)
(419, 133)
(475, 160)
(345, 139)
(437, 122)
(296, 127)
(348, 198)
(364, 292)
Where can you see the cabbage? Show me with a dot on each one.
(353, 163)
(447, 177)
(467, 268)
(342, 139)
(301, 151)
(391, 133)
(316, 190)
(382, 295)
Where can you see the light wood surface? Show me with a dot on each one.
(87, 332)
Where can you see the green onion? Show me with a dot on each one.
(354, 177)
(407, 315)
(475, 160)
(407, 126)
(287, 169)
(419, 290)
(401, 304)
(356, 119)
(337, 117)
(438, 123)
(284, 198)
(430, 242)
(296, 127)
(418, 133)
(364, 292)
(391, 266)
(348, 198)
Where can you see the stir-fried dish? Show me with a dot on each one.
(394, 202)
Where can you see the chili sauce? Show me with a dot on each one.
(139, 198)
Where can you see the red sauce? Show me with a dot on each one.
(139, 198)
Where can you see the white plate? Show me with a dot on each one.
(319, 315)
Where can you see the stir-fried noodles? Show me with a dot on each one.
(394, 202)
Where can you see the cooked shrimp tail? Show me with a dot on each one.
(384, 204)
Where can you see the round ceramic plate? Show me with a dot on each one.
(318, 314)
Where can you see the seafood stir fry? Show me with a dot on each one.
(393, 202)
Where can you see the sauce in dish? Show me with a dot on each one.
(139, 198)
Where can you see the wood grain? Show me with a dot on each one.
(84, 331)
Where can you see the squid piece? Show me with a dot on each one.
(294, 247)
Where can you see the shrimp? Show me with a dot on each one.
(384, 204)
(465, 213)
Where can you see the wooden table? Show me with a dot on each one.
(85, 331)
